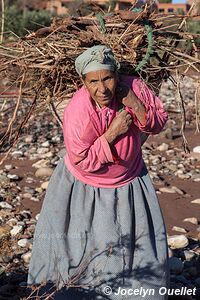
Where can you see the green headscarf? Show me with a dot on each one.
(96, 58)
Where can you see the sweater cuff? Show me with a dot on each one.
(106, 149)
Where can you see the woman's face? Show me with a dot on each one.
(101, 85)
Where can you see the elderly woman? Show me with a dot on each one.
(100, 226)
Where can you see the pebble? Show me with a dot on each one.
(189, 255)
(167, 190)
(29, 180)
(11, 222)
(27, 195)
(177, 190)
(4, 178)
(37, 217)
(177, 241)
(175, 265)
(42, 163)
(196, 201)
(42, 172)
(23, 243)
(191, 220)
(5, 205)
(163, 147)
(13, 176)
(26, 257)
(17, 153)
(16, 229)
(45, 144)
(48, 154)
(42, 150)
(2, 270)
(44, 185)
(179, 229)
(39, 190)
(8, 167)
(35, 199)
(196, 179)
(28, 139)
(196, 149)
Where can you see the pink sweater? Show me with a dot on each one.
(89, 157)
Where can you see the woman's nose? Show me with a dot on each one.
(102, 87)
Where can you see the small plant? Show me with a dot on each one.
(21, 21)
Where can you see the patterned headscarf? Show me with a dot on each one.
(96, 58)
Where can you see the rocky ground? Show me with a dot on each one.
(24, 177)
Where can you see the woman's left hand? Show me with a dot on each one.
(125, 95)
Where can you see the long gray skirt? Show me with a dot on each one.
(108, 240)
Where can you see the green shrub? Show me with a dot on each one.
(194, 27)
(22, 21)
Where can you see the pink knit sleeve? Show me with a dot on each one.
(156, 116)
(85, 149)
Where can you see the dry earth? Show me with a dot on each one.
(176, 177)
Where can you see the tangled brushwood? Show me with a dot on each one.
(41, 65)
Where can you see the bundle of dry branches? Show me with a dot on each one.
(41, 65)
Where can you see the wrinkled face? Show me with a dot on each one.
(101, 85)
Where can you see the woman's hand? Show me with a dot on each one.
(126, 96)
(119, 125)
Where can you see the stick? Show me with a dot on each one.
(2, 19)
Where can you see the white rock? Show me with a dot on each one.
(191, 220)
(13, 176)
(28, 139)
(26, 195)
(163, 147)
(42, 163)
(12, 222)
(179, 229)
(177, 190)
(29, 180)
(196, 201)
(45, 144)
(42, 172)
(167, 190)
(189, 255)
(177, 241)
(42, 150)
(26, 257)
(39, 190)
(5, 205)
(44, 185)
(48, 154)
(176, 265)
(37, 216)
(8, 167)
(35, 199)
(16, 229)
(23, 243)
(196, 149)
(17, 153)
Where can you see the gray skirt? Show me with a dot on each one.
(108, 240)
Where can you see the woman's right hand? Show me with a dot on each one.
(119, 125)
